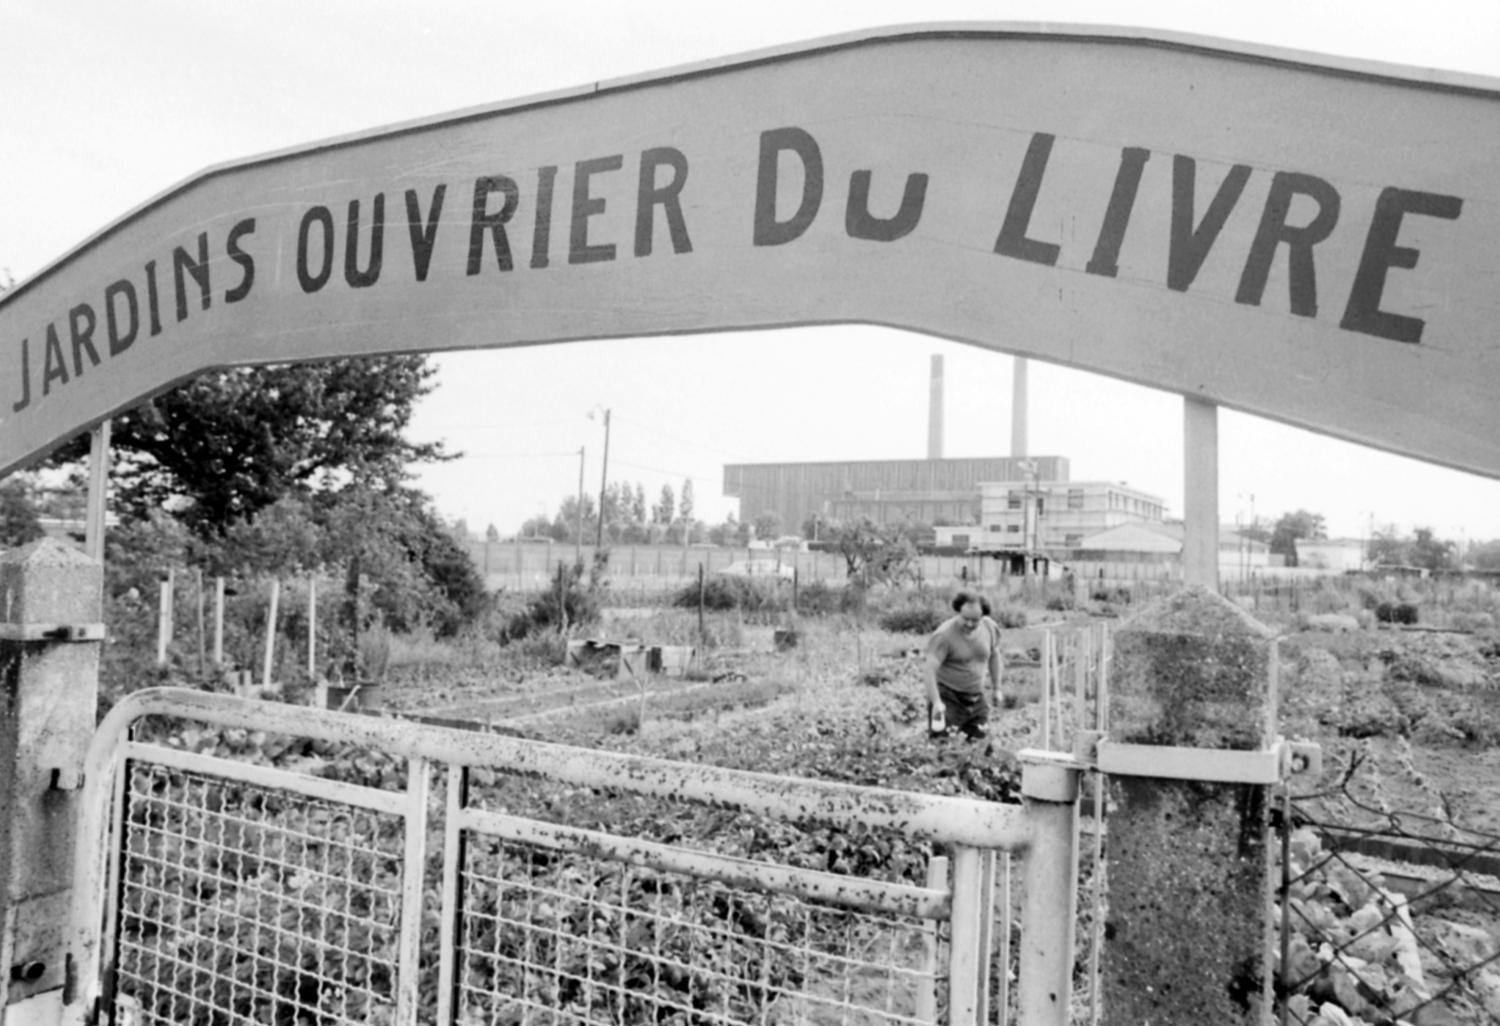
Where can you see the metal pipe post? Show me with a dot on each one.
(966, 961)
(1050, 902)
(926, 997)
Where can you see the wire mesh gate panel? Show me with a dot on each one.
(270, 902)
(558, 925)
(226, 891)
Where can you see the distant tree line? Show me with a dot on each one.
(628, 519)
(1422, 548)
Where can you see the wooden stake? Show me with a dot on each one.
(312, 620)
(164, 620)
(218, 622)
(265, 673)
(202, 656)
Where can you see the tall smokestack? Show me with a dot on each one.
(935, 410)
(1018, 409)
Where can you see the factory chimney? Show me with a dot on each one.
(935, 410)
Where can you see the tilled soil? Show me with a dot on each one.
(1409, 723)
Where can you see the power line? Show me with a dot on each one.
(719, 453)
(654, 470)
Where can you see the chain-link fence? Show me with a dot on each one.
(1386, 916)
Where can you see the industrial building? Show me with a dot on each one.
(930, 491)
(1017, 502)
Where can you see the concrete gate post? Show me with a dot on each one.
(1190, 759)
(49, 670)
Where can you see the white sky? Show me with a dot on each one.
(107, 104)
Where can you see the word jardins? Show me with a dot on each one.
(661, 177)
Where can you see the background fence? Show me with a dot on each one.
(528, 565)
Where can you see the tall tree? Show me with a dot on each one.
(536, 527)
(619, 499)
(875, 554)
(1485, 555)
(666, 507)
(568, 523)
(1431, 552)
(230, 443)
(1388, 548)
(768, 525)
(1292, 526)
(685, 501)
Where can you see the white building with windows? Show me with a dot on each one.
(1057, 514)
(1339, 555)
(1154, 550)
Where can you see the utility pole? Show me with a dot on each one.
(603, 480)
(578, 514)
(1030, 480)
(1253, 525)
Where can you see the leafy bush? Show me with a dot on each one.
(911, 619)
(819, 599)
(623, 720)
(1396, 612)
(543, 650)
(1328, 597)
(1117, 595)
(1061, 603)
(374, 652)
(854, 598)
(724, 592)
(567, 596)
(1473, 622)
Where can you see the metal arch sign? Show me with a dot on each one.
(1310, 240)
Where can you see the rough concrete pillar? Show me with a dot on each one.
(1188, 863)
(49, 671)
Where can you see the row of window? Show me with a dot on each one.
(1069, 540)
(1013, 500)
(1117, 500)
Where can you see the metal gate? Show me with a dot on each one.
(414, 879)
